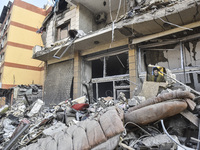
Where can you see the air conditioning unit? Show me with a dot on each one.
(101, 17)
(37, 48)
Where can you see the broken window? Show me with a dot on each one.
(62, 31)
(116, 65)
(198, 78)
(110, 65)
(109, 74)
(105, 89)
(97, 68)
(61, 6)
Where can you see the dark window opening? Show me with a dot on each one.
(97, 68)
(117, 65)
(198, 77)
(105, 89)
(62, 31)
(125, 91)
(107, 69)
(94, 91)
(61, 6)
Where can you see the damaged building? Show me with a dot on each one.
(119, 74)
(102, 48)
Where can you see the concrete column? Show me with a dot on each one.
(132, 70)
(77, 75)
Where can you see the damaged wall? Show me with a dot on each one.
(86, 20)
(191, 50)
(58, 82)
(55, 21)
(171, 59)
(49, 33)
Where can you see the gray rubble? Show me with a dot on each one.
(105, 124)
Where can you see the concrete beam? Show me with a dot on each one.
(174, 41)
(168, 32)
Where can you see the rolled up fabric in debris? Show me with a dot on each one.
(94, 131)
(86, 134)
(164, 97)
(155, 112)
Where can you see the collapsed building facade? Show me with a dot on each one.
(102, 48)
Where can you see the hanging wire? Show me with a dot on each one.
(174, 24)
(113, 21)
(165, 131)
(136, 126)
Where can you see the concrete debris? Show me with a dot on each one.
(138, 6)
(107, 123)
(160, 140)
(32, 92)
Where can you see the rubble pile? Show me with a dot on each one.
(138, 6)
(167, 121)
(31, 92)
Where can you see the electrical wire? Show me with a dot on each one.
(138, 127)
(165, 131)
(132, 82)
(174, 24)
(113, 21)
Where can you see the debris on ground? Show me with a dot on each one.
(168, 120)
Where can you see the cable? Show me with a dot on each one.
(120, 61)
(113, 21)
(132, 82)
(138, 127)
(175, 24)
(165, 131)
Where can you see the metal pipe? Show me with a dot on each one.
(66, 49)
(120, 62)
(87, 92)
(104, 67)
(164, 129)
(182, 60)
(139, 60)
(97, 94)
(15, 138)
(26, 98)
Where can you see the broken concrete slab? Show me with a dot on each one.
(150, 89)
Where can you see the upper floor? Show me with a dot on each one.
(111, 20)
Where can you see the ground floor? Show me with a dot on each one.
(108, 69)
